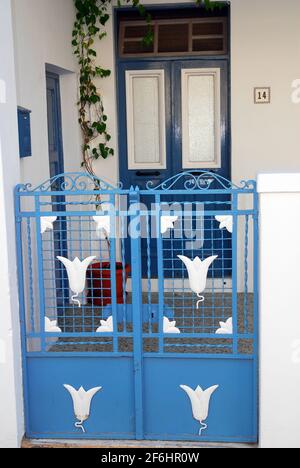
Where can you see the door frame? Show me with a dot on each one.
(60, 238)
(223, 60)
(55, 77)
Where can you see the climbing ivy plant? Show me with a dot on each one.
(89, 26)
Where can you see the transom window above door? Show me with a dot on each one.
(191, 36)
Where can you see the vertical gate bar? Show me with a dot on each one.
(22, 310)
(113, 273)
(30, 272)
(149, 285)
(136, 279)
(255, 306)
(41, 282)
(160, 273)
(81, 257)
(246, 276)
(124, 274)
(234, 272)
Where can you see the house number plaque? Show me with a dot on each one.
(262, 95)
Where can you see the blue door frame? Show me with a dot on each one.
(56, 155)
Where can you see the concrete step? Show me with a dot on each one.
(128, 444)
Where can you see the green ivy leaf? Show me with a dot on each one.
(94, 99)
(104, 19)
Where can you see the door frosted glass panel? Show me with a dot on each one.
(201, 118)
(145, 119)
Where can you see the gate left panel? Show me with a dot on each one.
(76, 305)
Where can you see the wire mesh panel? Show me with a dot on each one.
(74, 270)
(205, 291)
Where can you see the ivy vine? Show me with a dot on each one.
(89, 26)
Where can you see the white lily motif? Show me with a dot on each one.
(107, 326)
(51, 326)
(198, 271)
(200, 400)
(103, 226)
(170, 327)
(82, 403)
(225, 222)
(226, 328)
(167, 222)
(76, 274)
(47, 223)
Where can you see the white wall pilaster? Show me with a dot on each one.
(279, 310)
(11, 406)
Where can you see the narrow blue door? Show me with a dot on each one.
(56, 167)
(56, 157)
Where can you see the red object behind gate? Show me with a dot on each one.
(99, 283)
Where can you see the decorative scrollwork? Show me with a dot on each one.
(189, 181)
(199, 180)
(71, 182)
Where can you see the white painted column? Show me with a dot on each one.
(11, 407)
(279, 310)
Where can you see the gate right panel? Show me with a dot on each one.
(200, 357)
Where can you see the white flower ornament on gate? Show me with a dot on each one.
(47, 223)
(103, 226)
(107, 326)
(200, 401)
(167, 222)
(82, 403)
(226, 328)
(225, 222)
(51, 326)
(170, 327)
(198, 271)
(77, 275)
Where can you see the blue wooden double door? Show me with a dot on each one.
(174, 117)
(139, 172)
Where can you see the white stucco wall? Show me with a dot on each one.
(265, 46)
(43, 31)
(279, 311)
(11, 407)
(33, 33)
(265, 43)
(43, 34)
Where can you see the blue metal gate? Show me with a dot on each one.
(124, 355)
